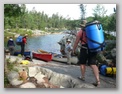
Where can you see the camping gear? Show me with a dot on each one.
(111, 70)
(16, 53)
(95, 36)
(25, 62)
(19, 40)
(42, 56)
(28, 57)
(27, 54)
(107, 71)
(102, 69)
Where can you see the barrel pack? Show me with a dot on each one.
(95, 36)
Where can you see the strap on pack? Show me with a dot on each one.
(102, 45)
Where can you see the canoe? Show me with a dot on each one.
(59, 57)
(42, 56)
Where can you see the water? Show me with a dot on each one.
(45, 42)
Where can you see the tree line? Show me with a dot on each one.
(17, 16)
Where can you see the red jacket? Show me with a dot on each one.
(24, 40)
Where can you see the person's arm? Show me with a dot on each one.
(78, 36)
(76, 42)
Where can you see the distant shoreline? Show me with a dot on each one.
(12, 33)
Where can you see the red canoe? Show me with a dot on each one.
(42, 56)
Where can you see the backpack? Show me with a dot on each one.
(95, 36)
(19, 40)
(107, 71)
(28, 57)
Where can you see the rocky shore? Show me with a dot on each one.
(40, 74)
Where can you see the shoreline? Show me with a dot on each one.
(46, 33)
(7, 33)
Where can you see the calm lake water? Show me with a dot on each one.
(45, 42)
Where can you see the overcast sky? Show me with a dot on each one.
(68, 10)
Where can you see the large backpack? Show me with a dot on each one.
(19, 40)
(95, 36)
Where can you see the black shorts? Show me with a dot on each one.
(92, 58)
(83, 57)
(87, 57)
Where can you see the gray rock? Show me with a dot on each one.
(40, 77)
(63, 80)
(12, 75)
(33, 71)
(46, 72)
(28, 85)
(84, 85)
(16, 82)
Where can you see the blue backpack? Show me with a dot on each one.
(102, 69)
(19, 40)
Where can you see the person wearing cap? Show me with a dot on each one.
(85, 55)
(68, 50)
(24, 42)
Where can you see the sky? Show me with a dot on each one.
(68, 10)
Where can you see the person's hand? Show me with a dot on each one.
(73, 52)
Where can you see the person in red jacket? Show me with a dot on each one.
(24, 42)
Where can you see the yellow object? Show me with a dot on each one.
(111, 70)
(25, 62)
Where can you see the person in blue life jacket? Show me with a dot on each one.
(68, 50)
(11, 45)
(86, 57)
